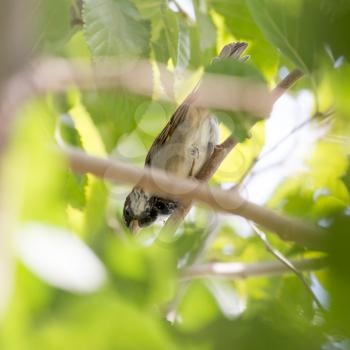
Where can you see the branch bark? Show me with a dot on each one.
(167, 185)
(236, 270)
(286, 84)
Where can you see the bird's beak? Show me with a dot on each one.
(134, 226)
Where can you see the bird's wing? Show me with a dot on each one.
(178, 116)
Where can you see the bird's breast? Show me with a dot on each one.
(189, 146)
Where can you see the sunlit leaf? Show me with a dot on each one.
(303, 29)
(240, 23)
(36, 174)
(114, 28)
(288, 26)
(54, 23)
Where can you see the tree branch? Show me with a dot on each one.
(234, 270)
(167, 185)
(286, 84)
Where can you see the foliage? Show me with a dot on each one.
(129, 310)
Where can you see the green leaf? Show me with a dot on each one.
(317, 193)
(239, 22)
(40, 317)
(302, 29)
(207, 32)
(203, 37)
(288, 26)
(54, 25)
(115, 28)
(183, 46)
(195, 316)
(338, 276)
(334, 23)
(36, 174)
(114, 113)
(149, 8)
(235, 68)
(238, 122)
(67, 131)
(339, 89)
(165, 32)
(75, 189)
(144, 275)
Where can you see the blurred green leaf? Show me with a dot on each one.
(149, 8)
(165, 33)
(207, 32)
(75, 186)
(240, 23)
(303, 29)
(114, 28)
(43, 318)
(289, 26)
(338, 85)
(235, 68)
(183, 46)
(239, 123)
(54, 27)
(318, 193)
(334, 23)
(198, 308)
(144, 275)
(115, 113)
(338, 276)
(267, 326)
(36, 174)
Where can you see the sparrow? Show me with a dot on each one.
(183, 146)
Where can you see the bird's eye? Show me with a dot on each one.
(160, 205)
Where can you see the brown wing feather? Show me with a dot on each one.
(169, 128)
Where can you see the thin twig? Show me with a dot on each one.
(279, 256)
(286, 83)
(236, 270)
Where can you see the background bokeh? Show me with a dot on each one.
(72, 276)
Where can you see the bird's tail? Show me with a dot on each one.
(234, 50)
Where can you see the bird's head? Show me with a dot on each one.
(138, 210)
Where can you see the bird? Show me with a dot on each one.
(182, 147)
